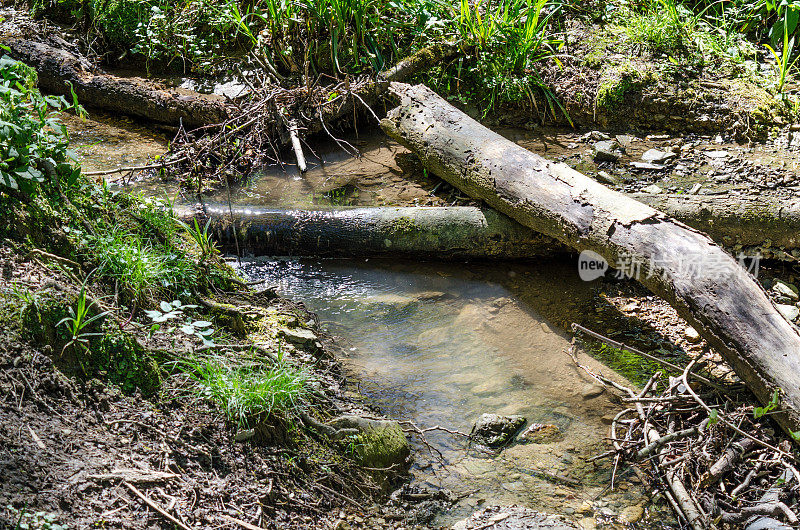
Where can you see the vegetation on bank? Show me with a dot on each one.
(504, 43)
(132, 297)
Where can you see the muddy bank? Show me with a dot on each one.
(138, 445)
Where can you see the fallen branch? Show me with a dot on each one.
(155, 506)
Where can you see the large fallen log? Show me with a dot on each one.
(457, 232)
(705, 285)
(427, 233)
(58, 68)
(746, 221)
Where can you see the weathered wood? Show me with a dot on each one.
(466, 232)
(705, 284)
(747, 221)
(429, 233)
(56, 67)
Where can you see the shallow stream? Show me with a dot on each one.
(441, 344)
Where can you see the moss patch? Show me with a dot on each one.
(381, 446)
(124, 362)
(620, 81)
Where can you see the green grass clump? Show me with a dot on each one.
(250, 393)
(144, 269)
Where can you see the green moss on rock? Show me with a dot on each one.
(124, 362)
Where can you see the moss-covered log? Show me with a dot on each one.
(431, 233)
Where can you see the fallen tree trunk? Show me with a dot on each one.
(430, 233)
(731, 221)
(464, 232)
(58, 67)
(705, 285)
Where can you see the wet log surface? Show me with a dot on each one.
(706, 285)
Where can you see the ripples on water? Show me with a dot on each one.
(441, 344)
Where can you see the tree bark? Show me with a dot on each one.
(706, 286)
(428, 233)
(730, 221)
(131, 96)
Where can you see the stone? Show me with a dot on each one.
(647, 165)
(717, 155)
(596, 136)
(632, 514)
(789, 312)
(298, 335)
(592, 390)
(691, 335)
(653, 189)
(657, 156)
(606, 178)
(512, 517)
(379, 444)
(494, 430)
(540, 433)
(625, 140)
(431, 296)
(695, 188)
(785, 290)
(607, 151)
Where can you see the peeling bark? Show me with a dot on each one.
(706, 285)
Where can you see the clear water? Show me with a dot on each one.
(441, 344)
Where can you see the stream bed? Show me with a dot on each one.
(441, 344)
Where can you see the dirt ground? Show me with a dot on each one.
(69, 446)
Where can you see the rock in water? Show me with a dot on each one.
(607, 151)
(632, 514)
(494, 430)
(592, 390)
(540, 433)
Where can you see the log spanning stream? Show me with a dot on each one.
(441, 344)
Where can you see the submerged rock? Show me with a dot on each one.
(494, 430)
(592, 390)
(497, 517)
(540, 433)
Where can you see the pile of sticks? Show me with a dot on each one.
(260, 124)
(705, 450)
